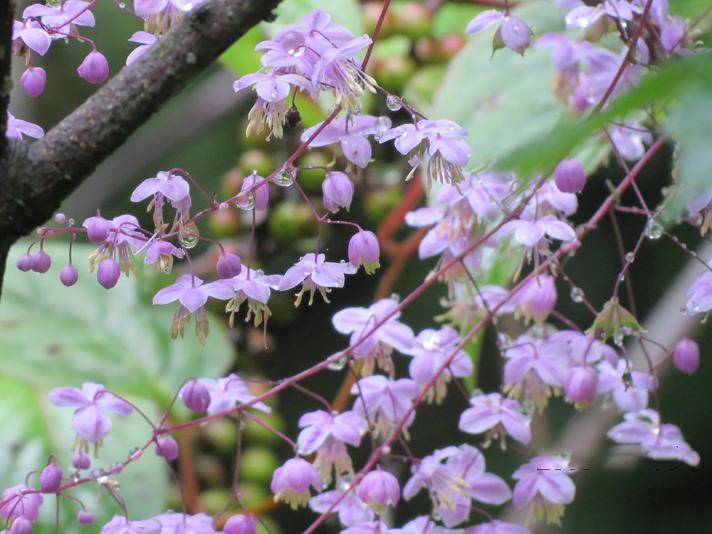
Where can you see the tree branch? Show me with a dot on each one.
(36, 177)
(6, 20)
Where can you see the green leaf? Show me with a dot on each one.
(344, 12)
(50, 336)
(54, 335)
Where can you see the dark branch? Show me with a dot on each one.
(36, 177)
(6, 19)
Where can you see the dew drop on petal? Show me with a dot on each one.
(284, 178)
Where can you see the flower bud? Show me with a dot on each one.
(241, 524)
(291, 482)
(338, 191)
(69, 275)
(538, 297)
(94, 68)
(569, 176)
(686, 356)
(33, 81)
(50, 478)
(60, 218)
(41, 262)
(228, 265)
(166, 447)
(580, 386)
(379, 489)
(514, 34)
(80, 460)
(21, 525)
(24, 262)
(195, 396)
(85, 517)
(364, 250)
(98, 229)
(108, 273)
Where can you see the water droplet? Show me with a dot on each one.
(190, 58)
(285, 177)
(345, 483)
(577, 294)
(189, 235)
(653, 229)
(122, 5)
(630, 257)
(247, 202)
(338, 364)
(393, 103)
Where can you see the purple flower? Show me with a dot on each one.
(686, 356)
(513, 32)
(660, 442)
(337, 190)
(98, 228)
(438, 144)
(51, 478)
(58, 16)
(291, 482)
(164, 184)
(385, 401)
(16, 128)
(195, 395)
(699, 294)
(315, 274)
(327, 435)
(364, 250)
(146, 8)
(254, 193)
(352, 134)
(586, 16)
(255, 287)
(569, 176)
(20, 502)
(166, 447)
(371, 527)
(40, 261)
(192, 294)
(533, 234)
(497, 416)
(544, 482)
(30, 33)
(108, 273)
(33, 81)
(378, 345)
(581, 385)
(537, 297)
(160, 253)
(92, 402)
(630, 140)
(69, 275)
(80, 460)
(629, 389)
(379, 489)
(498, 527)
(241, 524)
(228, 265)
(352, 510)
(94, 68)
(85, 517)
(226, 393)
(432, 350)
(120, 524)
(145, 40)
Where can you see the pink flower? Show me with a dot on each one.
(570, 176)
(686, 356)
(57, 17)
(20, 502)
(164, 184)
(31, 34)
(33, 81)
(252, 286)
(241, 524)
(497, 416)
(628, 388)
(145, 40)
(386, 402)
(364, 250)
(337, 190)
(537, 297)
(94, 68)
(545, 483)
(580, 385)
(16, 128)
(512, 33)
(699, 294)
(254, 193)
(92, 402)
(534, 235)
(315, 274)
(226, 393)
(291, 482)
(352, 510)
(422, 525)
(379, 489)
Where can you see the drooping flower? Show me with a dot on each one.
(351, 133)
(386, 402)
(364, 250)
(31, 34)
(90, 421)
(497, 416)
(228, 392)
(292, 480)
(20, 502)
(337, 190)
(374, 347)
(75, 12)
(352, 510)
(686, 356)
(544, 483)
(659, 441)
(241, 524)
(16, 128)
(33, 81)
(252, 286)
(315, 274)
(161, 253)
(439, 145)
(699, 294)
(94, 68)
(534, 235)
(164, 185)
(145, 41)
(327, 435)
(537, 297)
(570, 176)
(379, 489)
(513, 32)
(628, 388)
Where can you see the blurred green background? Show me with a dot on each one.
(52, 336)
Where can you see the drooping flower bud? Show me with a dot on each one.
(24, 262)
(94, 68)
(108, 273)
(195, 396)
(69, 275)
(537, 298)
(364, 250)
(570, 176)
(379, 489)
(81, 460)
(241, 524)
(166, 447)
(291, 482)
(41, 262)
(228, 265)
(580, 386)
(686, 356)
(514, 33)
(85, 517)
(50, 478)
(21, 525)
(33, 81)
(98, 229)
(338, 191)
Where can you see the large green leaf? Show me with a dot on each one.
(52, 336)
(505, 100)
